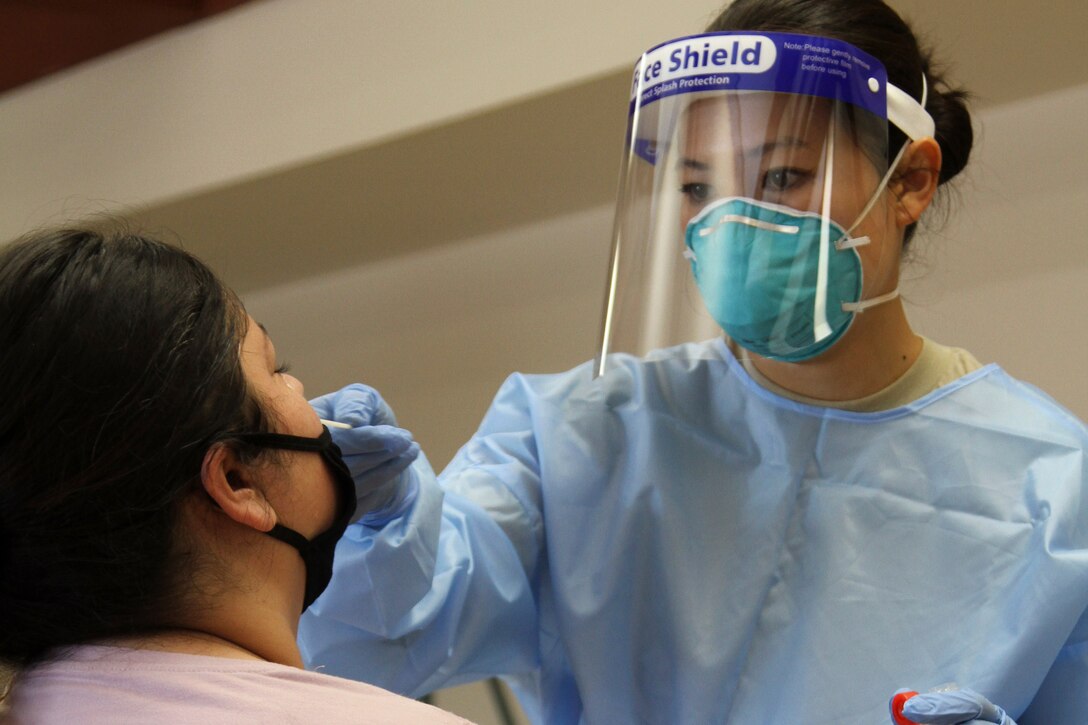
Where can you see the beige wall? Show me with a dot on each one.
(1007, 277)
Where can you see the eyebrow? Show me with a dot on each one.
(694, 164)
(759, 151)
(790, 142)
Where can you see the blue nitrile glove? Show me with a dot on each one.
(954, 707)
(376, 451)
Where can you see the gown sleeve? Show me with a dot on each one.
(445, 593)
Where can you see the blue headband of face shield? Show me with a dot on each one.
(775, 62)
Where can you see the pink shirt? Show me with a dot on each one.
(114, 686)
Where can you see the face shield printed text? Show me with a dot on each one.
(686, 85)
(822, 59)
(823, 52)
(701, 56)
(774, 62)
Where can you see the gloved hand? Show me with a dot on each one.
(376, 451)
(952, 707)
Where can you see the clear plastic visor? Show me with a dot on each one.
(763, 153)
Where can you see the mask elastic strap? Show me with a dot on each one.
(879, 188)
(288, 442)
(871, 302)
(912, 118)
(820, 327)
(283, 441)
(850, 242)
(290, 536)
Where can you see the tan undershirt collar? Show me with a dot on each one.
(936, 366)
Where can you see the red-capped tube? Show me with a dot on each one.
(896, 706)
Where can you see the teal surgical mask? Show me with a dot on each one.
(782, 283)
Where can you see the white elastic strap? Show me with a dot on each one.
(879, 189)
(871, 302)
(821, 329)
(852, 243)
(910, 116)
(915, 121)
(904, 112)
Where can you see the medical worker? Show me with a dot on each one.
(785, 523)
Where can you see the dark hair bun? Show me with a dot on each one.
(876, 28)
(948, 107)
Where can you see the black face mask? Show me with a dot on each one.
(317, 553)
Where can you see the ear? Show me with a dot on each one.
(229, 482)
(915, 182)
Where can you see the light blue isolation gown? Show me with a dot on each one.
(672, 543)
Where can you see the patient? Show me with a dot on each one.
(169, 502)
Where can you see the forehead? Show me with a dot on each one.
(256, 340)
(750, 120)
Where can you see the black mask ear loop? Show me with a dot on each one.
(317, 554)
(323, 445)
(317, 444)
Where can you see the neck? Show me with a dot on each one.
(188, 641)
(259, 612)
(255, 630)
(879, 347)
(252, 601)
(251, 633)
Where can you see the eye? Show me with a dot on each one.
(282, 368)
(784, 178)
(697, 192)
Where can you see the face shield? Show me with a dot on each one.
(750, 162)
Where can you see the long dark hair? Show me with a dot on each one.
(119, 361)
(874, 27)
